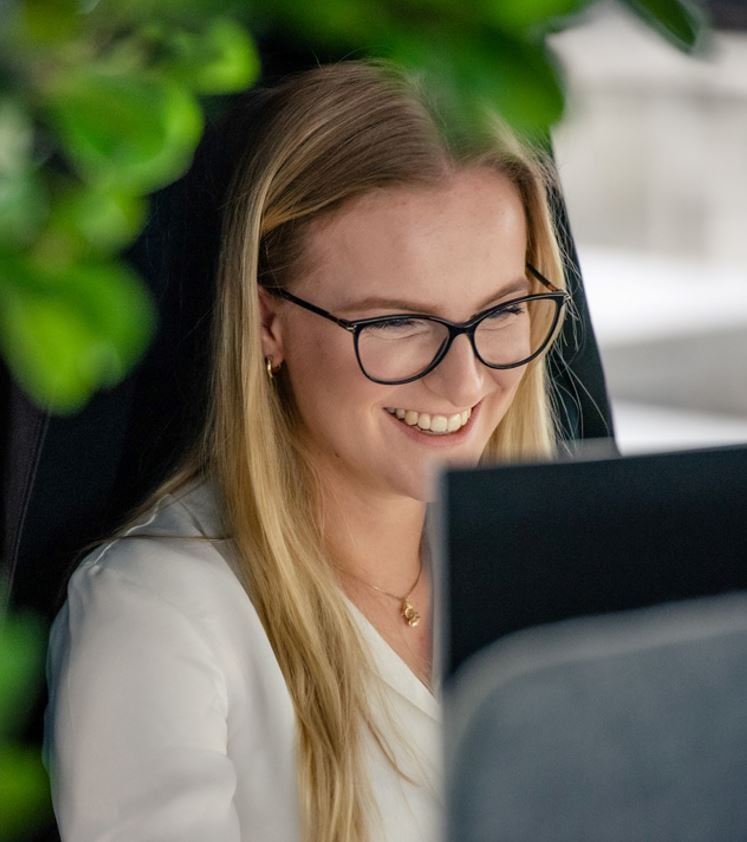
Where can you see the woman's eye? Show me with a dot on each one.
(507, 312)
(395, 325)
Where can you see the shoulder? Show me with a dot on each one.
(162, 582)
(176, 552)
(162, 585)
(164, 690)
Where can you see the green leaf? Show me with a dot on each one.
(49, 21)
(222, 59)
(22, 642)
(23, 208)
(66, 331)
(172, 12)
(23, 199)
(471, 73)
(678, 21)
(104, 218)
(25, 803)
(16, 136)
(132, 133)
(522, 16)
(334, 22)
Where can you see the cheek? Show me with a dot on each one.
(507, 384)
(316, 361)
(327, 383)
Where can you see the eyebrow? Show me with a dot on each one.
(520, 285)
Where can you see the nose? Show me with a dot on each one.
(460, 376)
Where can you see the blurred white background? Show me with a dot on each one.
(652, 156)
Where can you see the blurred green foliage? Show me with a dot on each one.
(98, 108)
(24, 788)
(100, 105)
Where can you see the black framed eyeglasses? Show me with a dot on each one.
(400, 348)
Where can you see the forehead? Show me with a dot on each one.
(447, 245)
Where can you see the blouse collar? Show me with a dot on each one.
(391, 667)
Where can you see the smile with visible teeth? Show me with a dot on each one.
(439, 424)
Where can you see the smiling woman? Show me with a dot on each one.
(249, 657)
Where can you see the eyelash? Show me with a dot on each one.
(403, 322)
(514, 309)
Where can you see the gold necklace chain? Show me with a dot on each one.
(407, 610)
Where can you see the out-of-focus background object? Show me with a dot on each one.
(624, 728)
(652, 156)
(617, 534)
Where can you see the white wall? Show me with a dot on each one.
(652, 155)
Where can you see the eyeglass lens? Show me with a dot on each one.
(405, 347)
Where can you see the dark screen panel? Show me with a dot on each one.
(531, 544)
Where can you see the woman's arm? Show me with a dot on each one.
(135, 730)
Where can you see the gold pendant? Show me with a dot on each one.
(412, 618)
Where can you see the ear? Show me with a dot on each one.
(271, 326)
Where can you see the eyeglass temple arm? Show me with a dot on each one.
(542, 279)
(283, 293)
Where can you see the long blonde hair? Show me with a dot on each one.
(325, 136)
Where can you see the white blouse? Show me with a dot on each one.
(168, 715)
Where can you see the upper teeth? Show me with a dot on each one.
(434, 423)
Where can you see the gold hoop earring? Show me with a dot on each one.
(268, 367)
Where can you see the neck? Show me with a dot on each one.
(375, 539)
